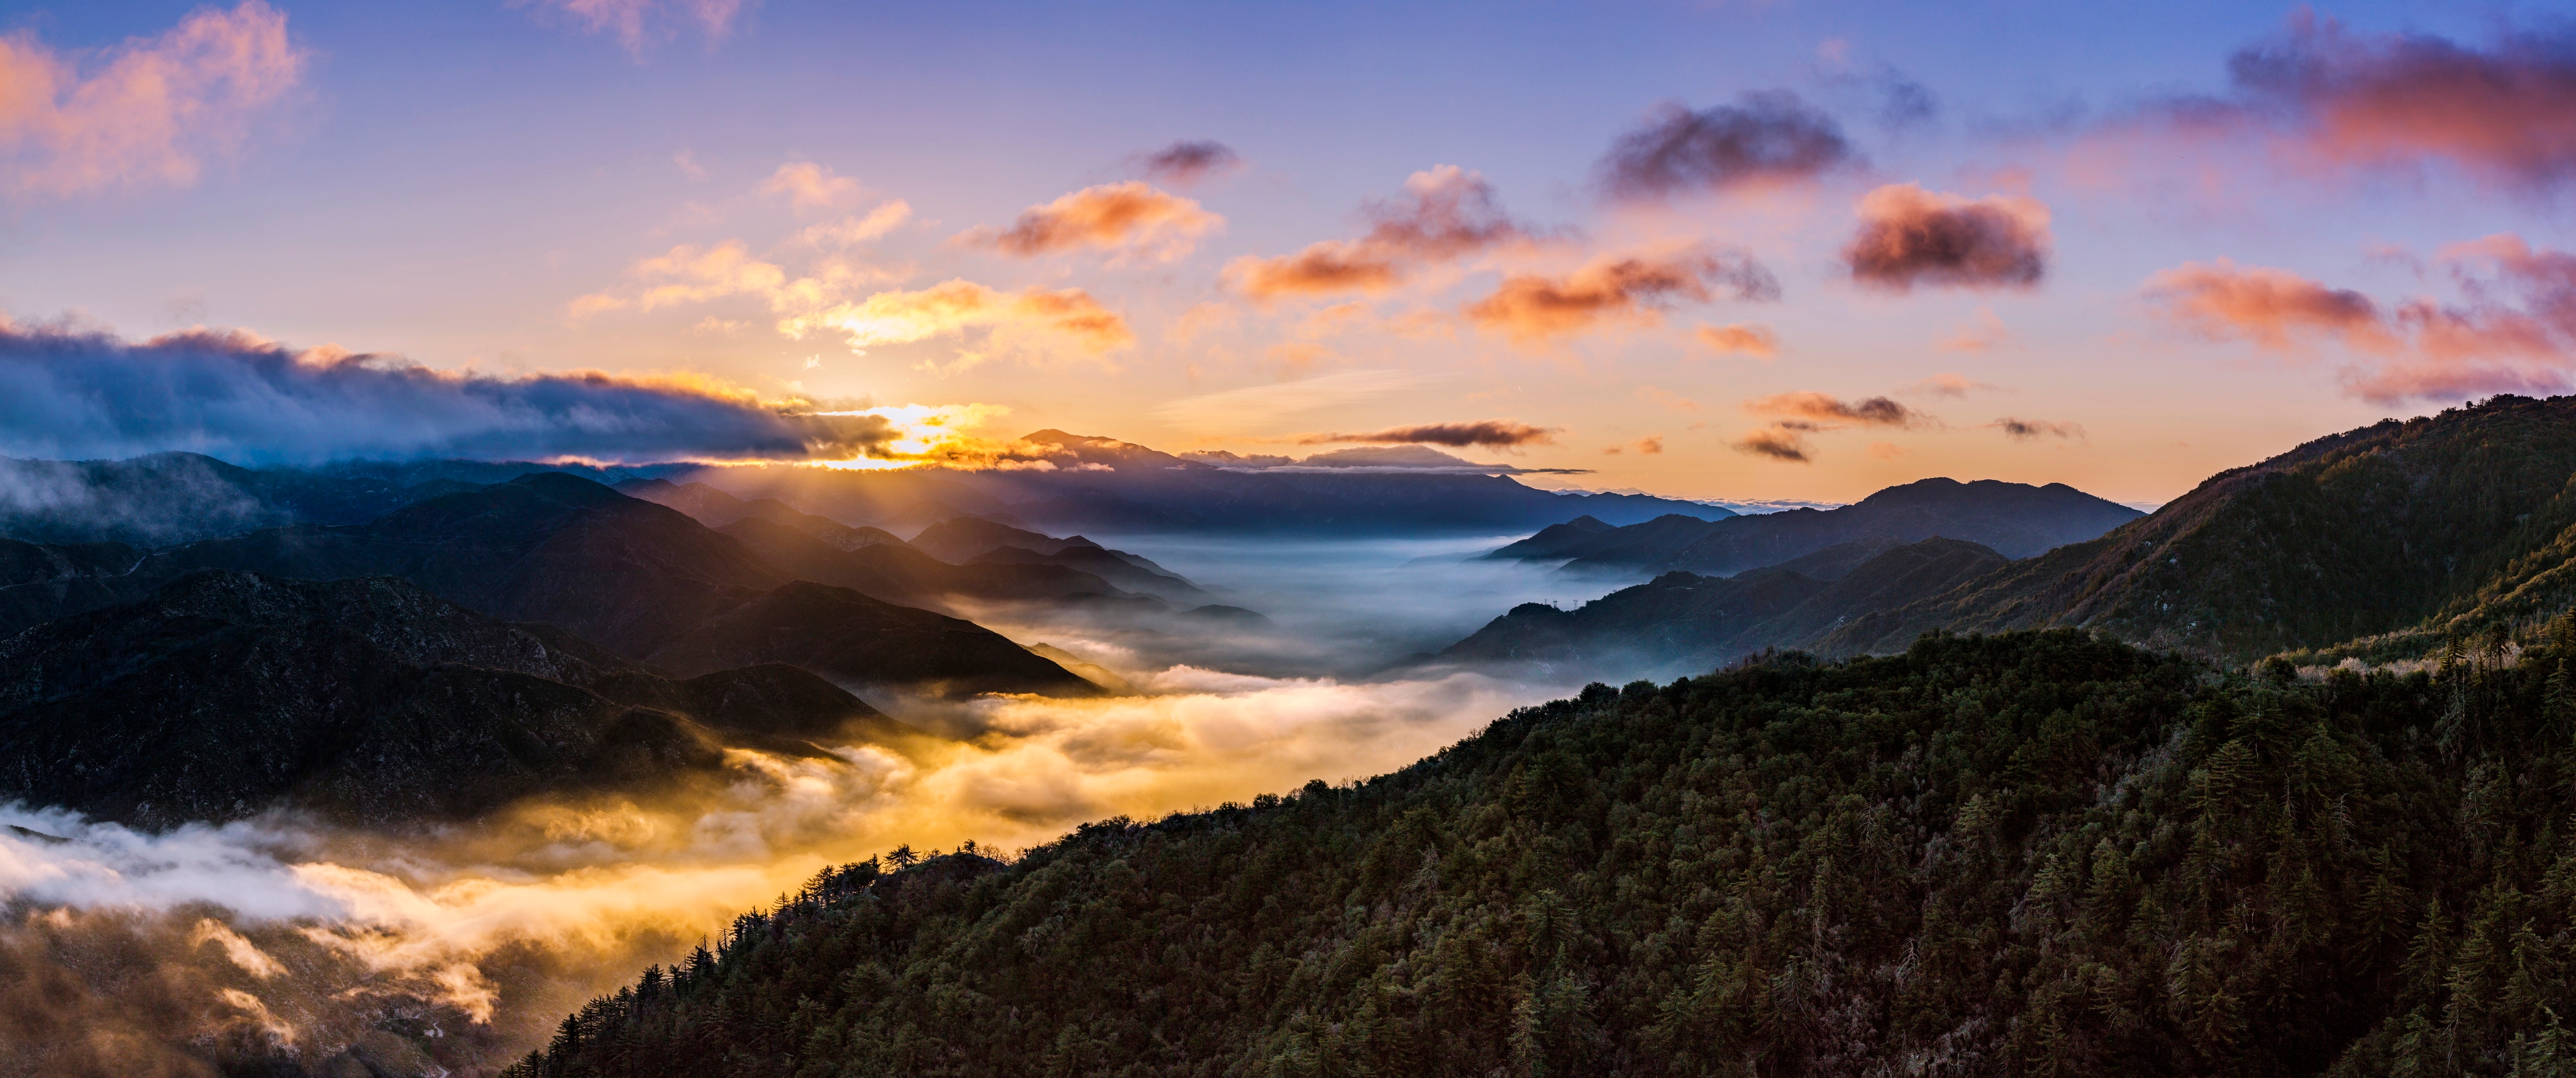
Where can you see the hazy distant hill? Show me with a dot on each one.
(2013, 519)
(2428, 527)
(225, 692)
(1682, 621)
(179, 497)
(976, 541)
(1106, 486)
(629, 575)
(715, 509)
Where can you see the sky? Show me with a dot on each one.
(1706, 250)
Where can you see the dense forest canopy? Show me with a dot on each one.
(2032, 853)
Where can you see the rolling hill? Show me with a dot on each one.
(227, 693)
(2381, 542)
(2028, 854)
(628, 575)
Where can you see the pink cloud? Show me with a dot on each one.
(1444, 215)
(1909, 236)
(2514, 330)
(149, 113)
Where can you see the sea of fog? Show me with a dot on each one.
(131, 953)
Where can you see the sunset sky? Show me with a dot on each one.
(1711, 250)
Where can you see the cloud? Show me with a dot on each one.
(2028, 429)
(1131, 216)
(1910, 236)
(1983, 333)
(2331, 97)
(848, 231)
(2274, 308)
(1946, 384)
(2514, 329)
(809, 186)
(1824, 408)
(1886, 450)
(638, 23)
(1030, 324)
(1190, 161)
(85, 395)
(1619, 289)
(1740, 339)
(1765, 138)
(149, 113)
(1235, 411)
(1492, 433)
(1444, 215)
(1778, 442)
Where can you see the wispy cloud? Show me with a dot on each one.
(1739, 339)
(637, 24)
(1492, 433)
(2513, 331)
(809, 186)
(2031, 429)
(1190, 162)
(1445, 214)
(1826, 408)
(149, 113)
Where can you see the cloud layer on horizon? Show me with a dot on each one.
(84, 395)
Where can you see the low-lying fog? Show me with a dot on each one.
(128, 953)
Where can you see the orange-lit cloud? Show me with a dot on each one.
(809, 186)
(1190, 161)
(1444, 214)
(2273, 308)
(1740, 339)
(149, 113)
(637, 23)
(1764, 138)
(1826, 408)
(1031, 324)
(1909, 236)
(1493, 433)
(1132, 216)
(2515, 331)
(1618, 289)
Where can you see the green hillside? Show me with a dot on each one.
(2428, 529)
(2036, 853)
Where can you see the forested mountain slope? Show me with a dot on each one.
(2037, 853)
(226, 693)
(2434, 527)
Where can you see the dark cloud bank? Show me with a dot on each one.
(85, 395)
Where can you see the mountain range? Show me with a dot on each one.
(1686, 622)
(1106, 486)
(2380, 543)
(641, 580)
(2013, 519)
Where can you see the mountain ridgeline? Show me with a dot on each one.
(2381, 543)
(2040, 853)
(369, 699)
